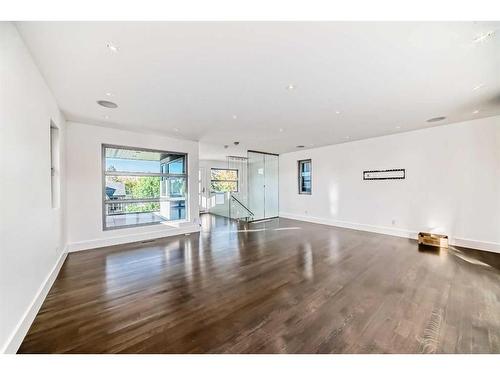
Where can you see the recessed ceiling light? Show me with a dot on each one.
(107, 104)
(109, 94)
(112, 47)
(475, 88)
(436, 119)
(301, 146)
(281, 130)
(483, 36)
(106, 117)
(337, 112)
(398, 127)
(235, 117)
(476, 111)
(291, 87)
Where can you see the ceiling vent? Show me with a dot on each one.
(107, 104)
(436, 119)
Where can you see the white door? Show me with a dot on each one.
(203, 189)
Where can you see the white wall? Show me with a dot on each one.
(452, 184)
(31, 232)
(84, 186)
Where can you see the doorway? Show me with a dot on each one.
(203, 196)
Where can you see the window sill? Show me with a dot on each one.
(174, 224)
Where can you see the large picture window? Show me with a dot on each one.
(305, 176)
(223, 180)
(142, 187)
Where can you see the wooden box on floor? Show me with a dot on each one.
(430, 239)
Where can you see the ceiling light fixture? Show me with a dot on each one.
(291, 87)
(112, 47)
(483, 36)
(436, 119)
(337, 112)
(176, 130)
(398, 127)
(347, 137)
(235, 117)
(476, 111)
(475, 88)
(107, 104)
(106, 117)
(281, 130)
(108, 94)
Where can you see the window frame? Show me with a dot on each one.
(105, 174)
(299, 175)
(225, 169)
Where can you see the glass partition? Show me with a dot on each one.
(263, 185)
(271, 165)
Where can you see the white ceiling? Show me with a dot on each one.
(188, 79)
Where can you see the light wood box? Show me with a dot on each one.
(431, 239)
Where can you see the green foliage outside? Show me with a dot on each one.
(143, 187)
(140, 187)
(148, 187)
(222, 186)
(224, 174)
(143, 207)
(224, 180)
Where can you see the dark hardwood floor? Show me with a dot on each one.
(281, 286)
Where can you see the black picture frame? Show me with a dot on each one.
(366, 174)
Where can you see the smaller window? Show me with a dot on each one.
(305, 176)
(55, 188)
(223, 180)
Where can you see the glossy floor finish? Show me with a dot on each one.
(281, 286)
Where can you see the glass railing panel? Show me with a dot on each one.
(238, 211)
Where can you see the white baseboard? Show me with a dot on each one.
(405, 233)
(493, 247)
(345, 224)
(118, 240)
(24, 324)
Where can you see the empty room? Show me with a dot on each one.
(250, 187)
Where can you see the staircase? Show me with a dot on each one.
(237, 210)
